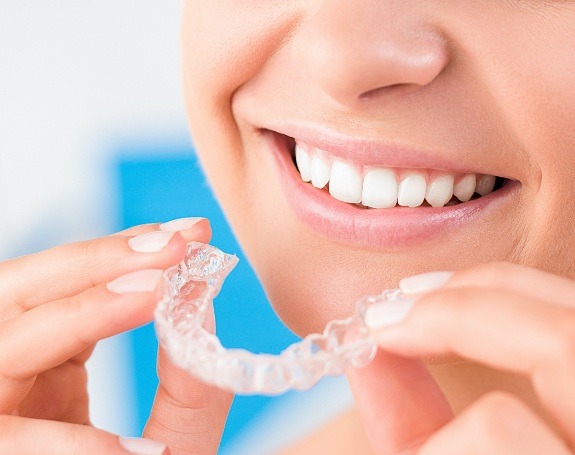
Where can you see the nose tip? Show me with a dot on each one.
(354, 54)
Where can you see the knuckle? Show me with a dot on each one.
(75, 306)
(562, 348)
(487, 273)
(93, 250)
(444, 300)
(79, 312)
(93, 259)
(496, 417)
(74, 439)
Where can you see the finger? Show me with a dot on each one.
(496, 328)
(70, 269)
(400, 403)
(188, 414)
(19, 435)
(514, 278)
(139, 229)
(58, 394)
(192, 229)
(496, 423)
(53, 333)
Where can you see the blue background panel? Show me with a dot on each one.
(167, 185)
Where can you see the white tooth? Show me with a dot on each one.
(319, 172)
(464, 189)
(485, 184)
(303, 162)
(379, 189)
(411, 191)
(345, 183)
(440, 191)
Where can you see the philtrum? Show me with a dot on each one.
(188, 292)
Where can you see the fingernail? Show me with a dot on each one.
(424, 282)
(143, 446)
(386, 314)
(181, 224)
(139, 281)
(151, 242)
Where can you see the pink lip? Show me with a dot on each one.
(368, 151)
(380, 229)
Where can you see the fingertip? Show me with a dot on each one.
(150, 242)
(181, 224)
(143, 446)
(192, 229)
(425, 282)
(146, 280)
(134, 297)
(138, 229)
(387, 314)
(200, 232)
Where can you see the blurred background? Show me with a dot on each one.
(93, 139)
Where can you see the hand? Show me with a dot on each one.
(54, 307)
(504, 316)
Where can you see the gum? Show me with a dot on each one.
(188, 293)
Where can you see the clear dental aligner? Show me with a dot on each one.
(188, 293)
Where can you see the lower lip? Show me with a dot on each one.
(381, 229)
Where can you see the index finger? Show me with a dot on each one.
(525, 281)
(499, 329)
(67, 270)
(51, 334)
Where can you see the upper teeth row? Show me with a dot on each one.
(381, 187)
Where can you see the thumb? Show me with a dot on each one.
(47, 437)
(400, 403)
(188, 414)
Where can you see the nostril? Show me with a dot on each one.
(394, 88)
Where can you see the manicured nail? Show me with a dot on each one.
(181, 224)
(424, 282)
(386, 314)
(143, 446)
(151, 242)
(139, 281)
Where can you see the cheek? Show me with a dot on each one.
(223, 46)
(543, 115)
(527, 65)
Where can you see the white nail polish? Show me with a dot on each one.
(142, 446)
(424, 282)
(139, 281)
(181, 224)
(386, 314)
(151, 242)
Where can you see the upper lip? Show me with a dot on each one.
(373, 152)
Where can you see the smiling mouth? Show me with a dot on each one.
(380, 187)
(381, 196)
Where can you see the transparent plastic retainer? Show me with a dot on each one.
(188, 292)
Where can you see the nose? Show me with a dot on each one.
(357, 50)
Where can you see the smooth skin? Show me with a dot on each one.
(484, 84)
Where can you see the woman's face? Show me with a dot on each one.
(403, 97)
